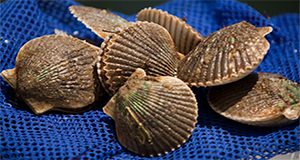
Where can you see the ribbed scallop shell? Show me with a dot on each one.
(184, 36)
(153, 115)
(262, 99)
(142, 45)
(102, 22)
(225, 56)
(56, 72)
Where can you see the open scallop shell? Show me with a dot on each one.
(225, 56)
(142, 45)
(184, 36)
(153, 115)
(262, 99)
(55, 72)
(100, 21)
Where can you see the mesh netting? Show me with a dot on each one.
(91, 134)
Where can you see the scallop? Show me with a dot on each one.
(100, 21)
(55, 72)
(142, 45)
(225, 56)
(185, 37)
(153, 115)
(262, 99)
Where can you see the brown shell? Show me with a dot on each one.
(153, 115)
(10, 77)
(142, 45)
(56, 72)
(225, 56)
(100, 21)
(185, 37)
(262, 99)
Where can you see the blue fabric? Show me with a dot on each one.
(91, 134)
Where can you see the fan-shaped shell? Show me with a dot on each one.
(142, 45)
(262, 99)
(100, 21)
(153, 115)
(55, 72)
(184, 36)
(225, 56)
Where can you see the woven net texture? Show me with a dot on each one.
(92, 135)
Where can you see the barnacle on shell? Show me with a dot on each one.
(262, 99)
(55, 72)
(153, 115)
(225, 56)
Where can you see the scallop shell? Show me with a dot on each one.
(225, 56)
(185, 37)
(102, 22)
(153, 115)
(142, 45)
(262, 99)
(55, 72)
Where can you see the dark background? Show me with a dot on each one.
(266, 7)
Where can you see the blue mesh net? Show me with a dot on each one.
(91, 134)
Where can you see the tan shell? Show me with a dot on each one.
(185, 37)
(142, 45)
(10, 77)
(225, 56)
(100, 21)
(55, 72)
(153, 115)
(262, 99)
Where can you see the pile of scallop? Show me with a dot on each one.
(148, 68)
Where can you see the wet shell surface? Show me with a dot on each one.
(184, 36)
(153, 115)
(225, 56)
(262, 99)
(100, 21)
(142, 45)
(55, 72)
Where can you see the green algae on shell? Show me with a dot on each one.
(55, 72)
(153, 115)
(225, 56)
(262, 99)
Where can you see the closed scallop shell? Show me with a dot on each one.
(262, 99)
(100, 21)
(142, 45)
(225, 56)
(55, 72)
(153, 115)
(185, 37)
